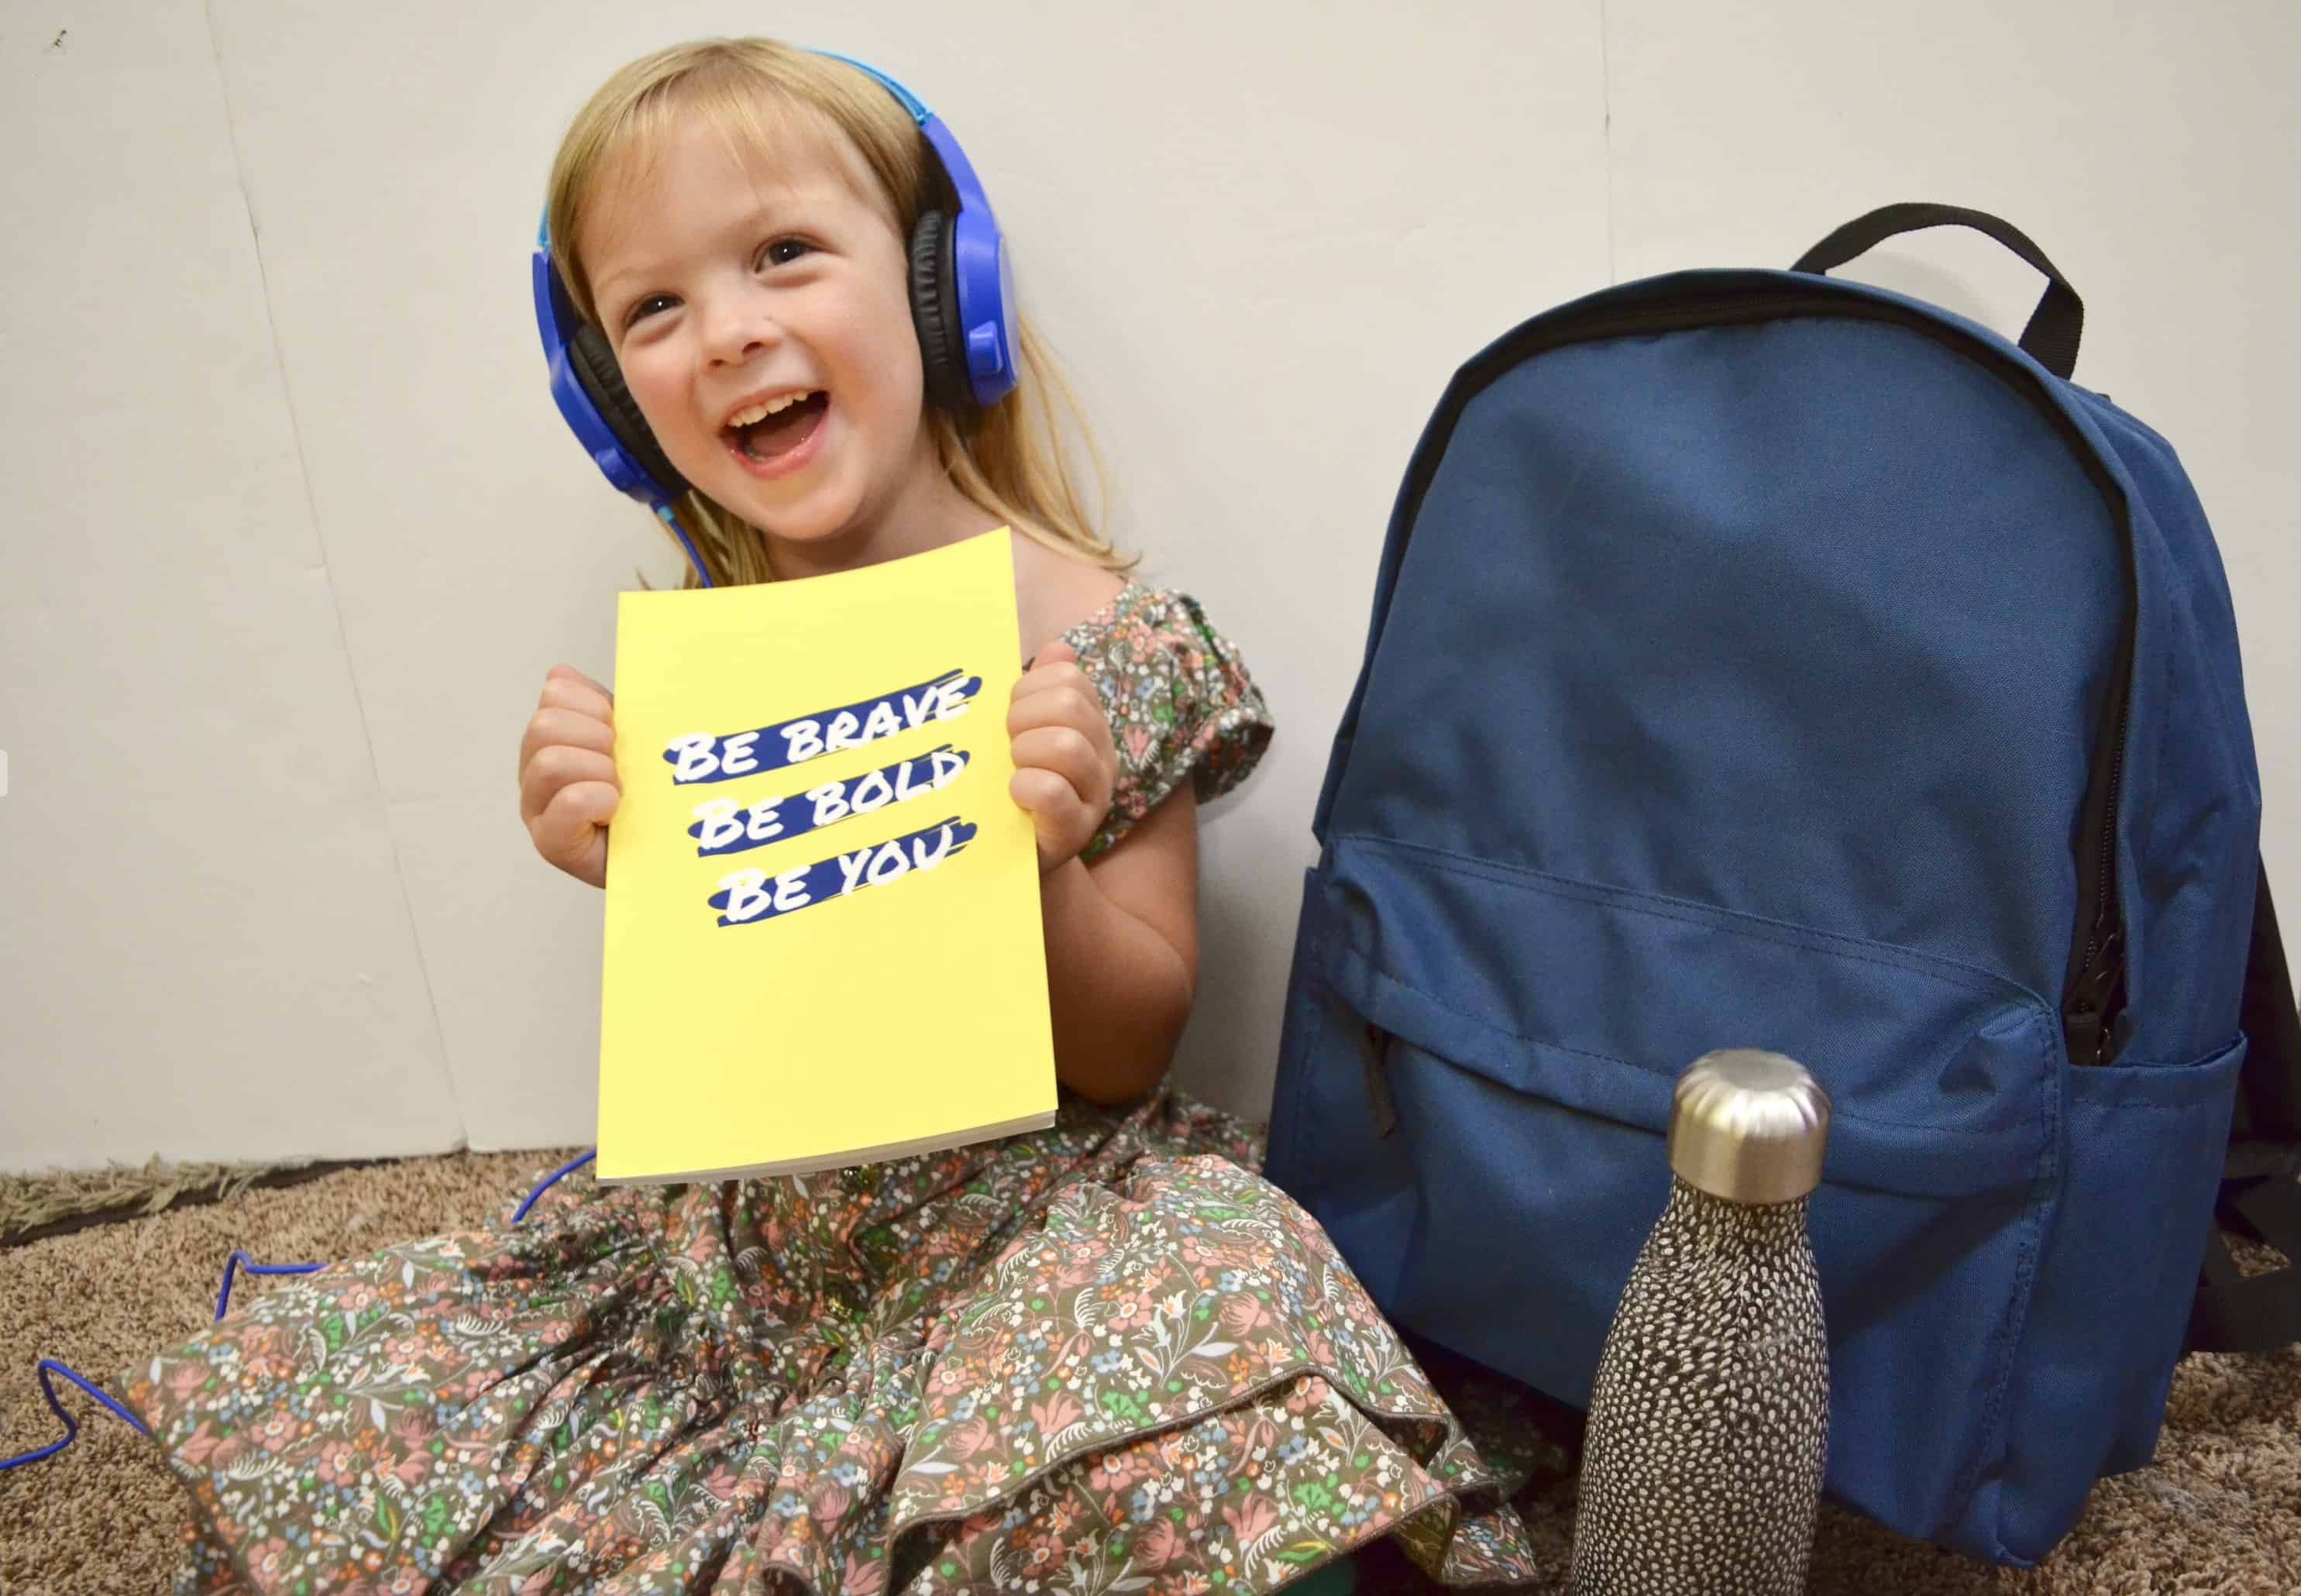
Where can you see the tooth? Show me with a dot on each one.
(752, 414)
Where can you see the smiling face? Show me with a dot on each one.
(760, 311)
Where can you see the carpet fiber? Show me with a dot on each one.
(2219, 1510)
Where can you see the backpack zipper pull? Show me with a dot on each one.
(2086, 1017)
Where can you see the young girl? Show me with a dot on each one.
(1104, 1356)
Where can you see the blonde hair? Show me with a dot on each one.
(1010, 459)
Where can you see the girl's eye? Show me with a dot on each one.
(783, 252)
(642, 309)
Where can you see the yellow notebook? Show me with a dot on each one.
(823, 940)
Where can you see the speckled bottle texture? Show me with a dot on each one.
(1709, 1421)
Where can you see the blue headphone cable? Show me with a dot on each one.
(237, 1261)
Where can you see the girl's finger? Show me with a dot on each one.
(558, 767)
(1045, 677)
(578, 699)
(568, 831)
(1059, 710)
(579, 694)
(571, 677)
(571, 728)
(1063, 823)
(1044, 792)
(1067, 752)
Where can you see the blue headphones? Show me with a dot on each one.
(962, 298)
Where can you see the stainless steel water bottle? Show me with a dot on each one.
(1709, 1421)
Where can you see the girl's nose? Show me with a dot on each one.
(737, 327)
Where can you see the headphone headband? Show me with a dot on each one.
(911, 102)
(954, 160)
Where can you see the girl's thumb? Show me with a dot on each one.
(1057, 653)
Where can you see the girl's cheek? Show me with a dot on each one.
(654, 386)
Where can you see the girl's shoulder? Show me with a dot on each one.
(1055, 592)
(1063, 597)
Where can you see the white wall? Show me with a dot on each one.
(293, 531)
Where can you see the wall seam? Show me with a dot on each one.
(335, 601)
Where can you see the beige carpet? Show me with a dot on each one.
(2220, 1511)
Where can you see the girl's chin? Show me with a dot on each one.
(815, 517)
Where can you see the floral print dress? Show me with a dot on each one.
(1104, 1357)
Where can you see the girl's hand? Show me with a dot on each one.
(1066, 761)
(567, 786)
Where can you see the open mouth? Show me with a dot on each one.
(773, 429)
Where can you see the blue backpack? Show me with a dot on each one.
(1761, 659)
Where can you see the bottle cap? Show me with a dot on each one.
(1748, 1126)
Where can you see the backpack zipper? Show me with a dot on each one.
(2093, 993)
(2097, 997)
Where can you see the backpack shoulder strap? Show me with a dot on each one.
(2260, 1198)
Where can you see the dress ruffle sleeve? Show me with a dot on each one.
(1180, 701)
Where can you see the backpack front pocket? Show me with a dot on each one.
(1474, 1088)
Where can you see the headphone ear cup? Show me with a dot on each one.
(602, 377)
(934, 312)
